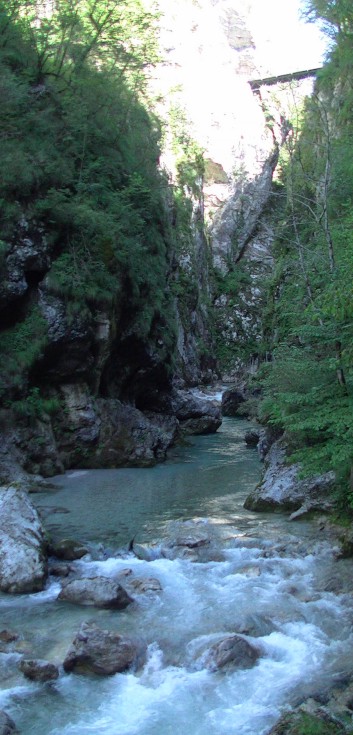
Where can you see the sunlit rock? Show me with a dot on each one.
(231, 652)
(141, 586)
(283, 489)
(97, 591)
(97, 651)
(196, 416)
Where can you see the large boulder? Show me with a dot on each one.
(97, 651)
(252, 437)
(232, 399)
(231, 652)
(39, 670)
(105, 432)
(282, 488)
(7, 725)
(23, 563)
(97, 591)
(195, 415)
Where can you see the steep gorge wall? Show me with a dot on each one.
(84, 365)
(210, 55)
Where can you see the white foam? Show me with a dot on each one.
(215, 396)
(76, 473)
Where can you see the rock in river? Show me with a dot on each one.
(23, 565)
(195, 416)
(98, 591)
(68, 549)
(7, 725)
(38, 670)
(232, 399)
(233, 651)
(97, 651)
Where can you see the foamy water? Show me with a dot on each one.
(266, 579)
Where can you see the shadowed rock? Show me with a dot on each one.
(39, 670)
(7, 636)
(252, 438)
(7, 725)
(231, 400)
(68, 549)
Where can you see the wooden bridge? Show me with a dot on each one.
(256, 84)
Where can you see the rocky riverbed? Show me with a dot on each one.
(210, 598)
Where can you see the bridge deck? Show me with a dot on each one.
(255, 84)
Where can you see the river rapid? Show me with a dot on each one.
(269, 579)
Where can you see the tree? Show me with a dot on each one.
(309, 385)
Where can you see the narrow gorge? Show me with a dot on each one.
(176, 309)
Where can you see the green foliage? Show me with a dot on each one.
(233, 334)
(34, 406)
(303, 723)
(22, 345)
(304, 398)
(308, 387)
(190, 162)
(79, 156)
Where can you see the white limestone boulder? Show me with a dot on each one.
(23, 562)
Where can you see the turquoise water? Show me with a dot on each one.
(266, 579)
(209, 477)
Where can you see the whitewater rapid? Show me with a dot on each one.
(271, 581)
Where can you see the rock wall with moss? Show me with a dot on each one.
(91, 234)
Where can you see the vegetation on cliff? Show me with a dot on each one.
(308, 386)
(79, 160)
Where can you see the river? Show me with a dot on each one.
(262, 576)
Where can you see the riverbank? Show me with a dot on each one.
(216, 572)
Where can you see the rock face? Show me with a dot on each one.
(231, 652)
(39, 670)
(109, 433)
(97, 651)
(7, 725)
(99, 432)
(22, 549)
(98, 591)
(282, 489)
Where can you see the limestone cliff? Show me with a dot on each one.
(92, 325)
(210, 56)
